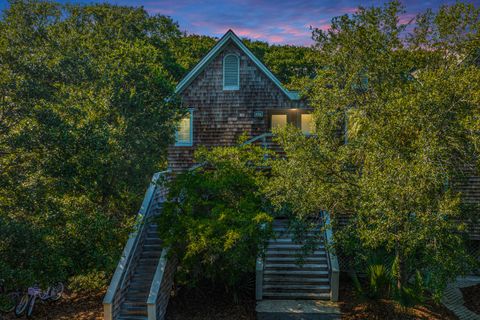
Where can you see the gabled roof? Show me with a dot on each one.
(231, 36)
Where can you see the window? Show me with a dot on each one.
(279, 118)
(231, 72)
(184, 134)
(279, 121)
(306, 123)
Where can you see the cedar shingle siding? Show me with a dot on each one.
(221, 116)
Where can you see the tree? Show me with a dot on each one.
(394, 108)
(87, 112)
(213, 220)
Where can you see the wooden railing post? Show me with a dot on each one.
(333, 261)
(259, 265)
(259, 278)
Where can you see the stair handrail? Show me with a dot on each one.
(262, 137)
(259, 268)
(159, 281)
(163, 264)
(332, 258)
(123, 267)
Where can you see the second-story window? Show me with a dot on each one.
(278, 121)
(184, 134)
(231, 72)
(306, 123)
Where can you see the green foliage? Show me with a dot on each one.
(215, 215)
(291, 64)
(93, 281)
(86, 113)
(380, 280)
(396, 118)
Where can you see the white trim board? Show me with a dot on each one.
(231, 36)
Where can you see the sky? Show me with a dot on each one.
(274, 21)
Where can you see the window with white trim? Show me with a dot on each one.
(184, 133)
(231, 72)
(306, 123)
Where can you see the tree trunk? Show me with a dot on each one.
(401, 276)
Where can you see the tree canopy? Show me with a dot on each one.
(396, 111)
(86, 112)
(86, 115)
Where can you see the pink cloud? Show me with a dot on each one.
(323, 27)
(249, 33)
(276, 39)
(296, 32)
(406, 18)
(349, 10)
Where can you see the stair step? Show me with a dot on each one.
(296, 295)
(136, 298)
(140, 283)
(289, 246)
(139, 289)
(289, 240)
(297, 287)
(133, 304)
(296, 260)
(294, 253)
(148, 266)
(311, 273)
(142, 279)
(137, 310)
(153, 241)
(286, 227)
(150, 255)
(295, 266)
(149, 259)
(294, 280)
(132, 317)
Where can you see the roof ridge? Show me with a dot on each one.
(230, 35)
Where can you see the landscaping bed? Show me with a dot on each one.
(471, 295)
(354, 307)
(212, 303)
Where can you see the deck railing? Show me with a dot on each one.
(121, 278)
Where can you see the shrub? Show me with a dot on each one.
(94, 280)
(215, 215)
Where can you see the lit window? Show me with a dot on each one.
(306, 121)
(184, 134)
(279, 121)
(231, 72)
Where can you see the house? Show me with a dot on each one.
(229, 92)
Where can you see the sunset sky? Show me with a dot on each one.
(275, 21)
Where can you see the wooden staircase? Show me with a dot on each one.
(135, 305)
(293, 282)
(290, 276)
(141, 284)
